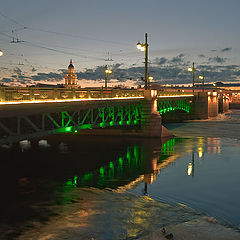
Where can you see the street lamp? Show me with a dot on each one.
(144, 47)
(201, 77)
(1, 52)
(150, 78)
(192, 69)
(107, 71)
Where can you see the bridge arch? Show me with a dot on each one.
(169, 105)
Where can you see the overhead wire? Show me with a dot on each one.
(53, 49)
(59, 33)
(31, 44)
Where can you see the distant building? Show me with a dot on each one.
(71, 77)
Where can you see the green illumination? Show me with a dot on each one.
(120, 123)
(75, 180)
(136, 153)
(111, 170)
(111, 165)
(87, 177)
(128, 122)
(102, 124)
(86, 126)
(168, 106)
(120, 160)
(101, 171)
(128, 154)
(68, 129)
(75, 131)
(69, 183)
(168, 147)
(111, 123)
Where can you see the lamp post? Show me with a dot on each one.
(144, 47)
(201, 77)
(1, 53)
(192, 69)
(107, 71)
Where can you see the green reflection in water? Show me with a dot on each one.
(136, 161)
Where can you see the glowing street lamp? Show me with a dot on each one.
(139, 46)
(1, 53)
(150, 78)
(144, 47)
(201, 77)
(107, 71)
(192, 69)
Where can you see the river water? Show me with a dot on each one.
(70, 187)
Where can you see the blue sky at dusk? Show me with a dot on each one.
(40, 37)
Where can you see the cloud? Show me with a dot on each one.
(160, 61)
(7, 80)
(178, 59)
(17, 70)
(56, 77)
(217, 59)
(172, 70)
(226, 49)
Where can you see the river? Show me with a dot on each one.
(74, 187)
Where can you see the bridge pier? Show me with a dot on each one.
(151, 121)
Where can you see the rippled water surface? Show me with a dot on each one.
(67, 187)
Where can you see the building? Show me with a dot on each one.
(71, 77)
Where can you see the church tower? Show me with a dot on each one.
(71, 77)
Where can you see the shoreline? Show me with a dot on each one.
(102, 220)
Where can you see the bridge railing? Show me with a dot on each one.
(172, 93)
(11, 94)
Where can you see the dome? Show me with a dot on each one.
(70, 65)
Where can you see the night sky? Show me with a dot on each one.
(40, 37)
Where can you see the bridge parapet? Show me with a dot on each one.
(25, 95)
(173, 94)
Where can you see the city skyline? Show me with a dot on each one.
(39, 39)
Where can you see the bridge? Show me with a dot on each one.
(34, 112)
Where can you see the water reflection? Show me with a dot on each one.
(140, 162)
(190, 170)
(53, 172)
(45, 173)
(214, 145)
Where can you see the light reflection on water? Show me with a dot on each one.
(56, 180)
(204, 178)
